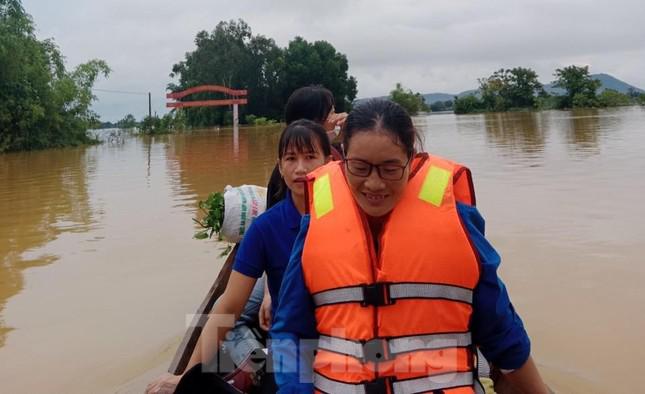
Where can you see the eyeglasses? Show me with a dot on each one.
(387, 172)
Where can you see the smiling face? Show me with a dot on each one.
(374, 195)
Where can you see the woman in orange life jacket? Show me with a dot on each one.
(265, 248)
(409, 289)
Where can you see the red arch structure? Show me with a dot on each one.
(239, 97)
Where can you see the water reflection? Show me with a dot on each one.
(207, 161)
(43, 195)
(585, 128)
(521, 133)
(569, 230)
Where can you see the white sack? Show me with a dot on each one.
(242, 205)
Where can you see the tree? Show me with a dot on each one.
(128, 122)
(232, 56)
(437, 106)
(510, 88)
(468, 104)
(41, 103)
(523, 87)
(318, 63)
(412, 102)
(641, 99)
(218, 59)
(580, 87)
(613, 98)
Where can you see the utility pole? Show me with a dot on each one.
(149, 105)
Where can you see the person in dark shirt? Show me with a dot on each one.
(315, 103)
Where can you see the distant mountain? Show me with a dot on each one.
(608, 82)
(434, 97)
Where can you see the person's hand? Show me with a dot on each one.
(335, 120)
(164, 384)
(265, 312)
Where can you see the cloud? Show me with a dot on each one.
(427, 45)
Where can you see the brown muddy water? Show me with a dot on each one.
(98, 270)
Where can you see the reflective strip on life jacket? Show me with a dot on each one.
(409, 386)
(386, 292)
(483, 368)
(323, 199)
(380, 349)
(434, 185)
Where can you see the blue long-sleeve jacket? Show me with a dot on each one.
(496, 328)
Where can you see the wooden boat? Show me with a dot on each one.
(188, 343)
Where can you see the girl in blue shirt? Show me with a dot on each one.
(265, 248)
(304, 145)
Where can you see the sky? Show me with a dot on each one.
(429, 46)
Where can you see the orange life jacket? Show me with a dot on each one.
(396, 321)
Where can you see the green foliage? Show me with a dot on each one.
(468, 104)
(582, 100)
(259, 121)
(546, 102)
(633, 93)
(152, 125)
(213, 210)
(128, 122)
(41, 103)
(612, 98)
(173, 120)
(510, 88)
(412, 102)
(318, 63)
(232, 56)
(641, 99)
(439, 106)
(580, 87)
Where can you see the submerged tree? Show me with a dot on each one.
(510, 88)
(412, 102)
(41, 103)
(580, 87)
(468, 104)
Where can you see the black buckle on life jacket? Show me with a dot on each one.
(377, 294)
(379, 385)
(375, 350)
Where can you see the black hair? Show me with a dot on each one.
(310, 102)
(384, 115)
(300, 135)
(314, 103)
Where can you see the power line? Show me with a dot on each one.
(119, 91)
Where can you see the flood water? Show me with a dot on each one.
(98, 269)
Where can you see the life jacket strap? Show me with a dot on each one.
(381, 349)
(391, 385)
(382, 294)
